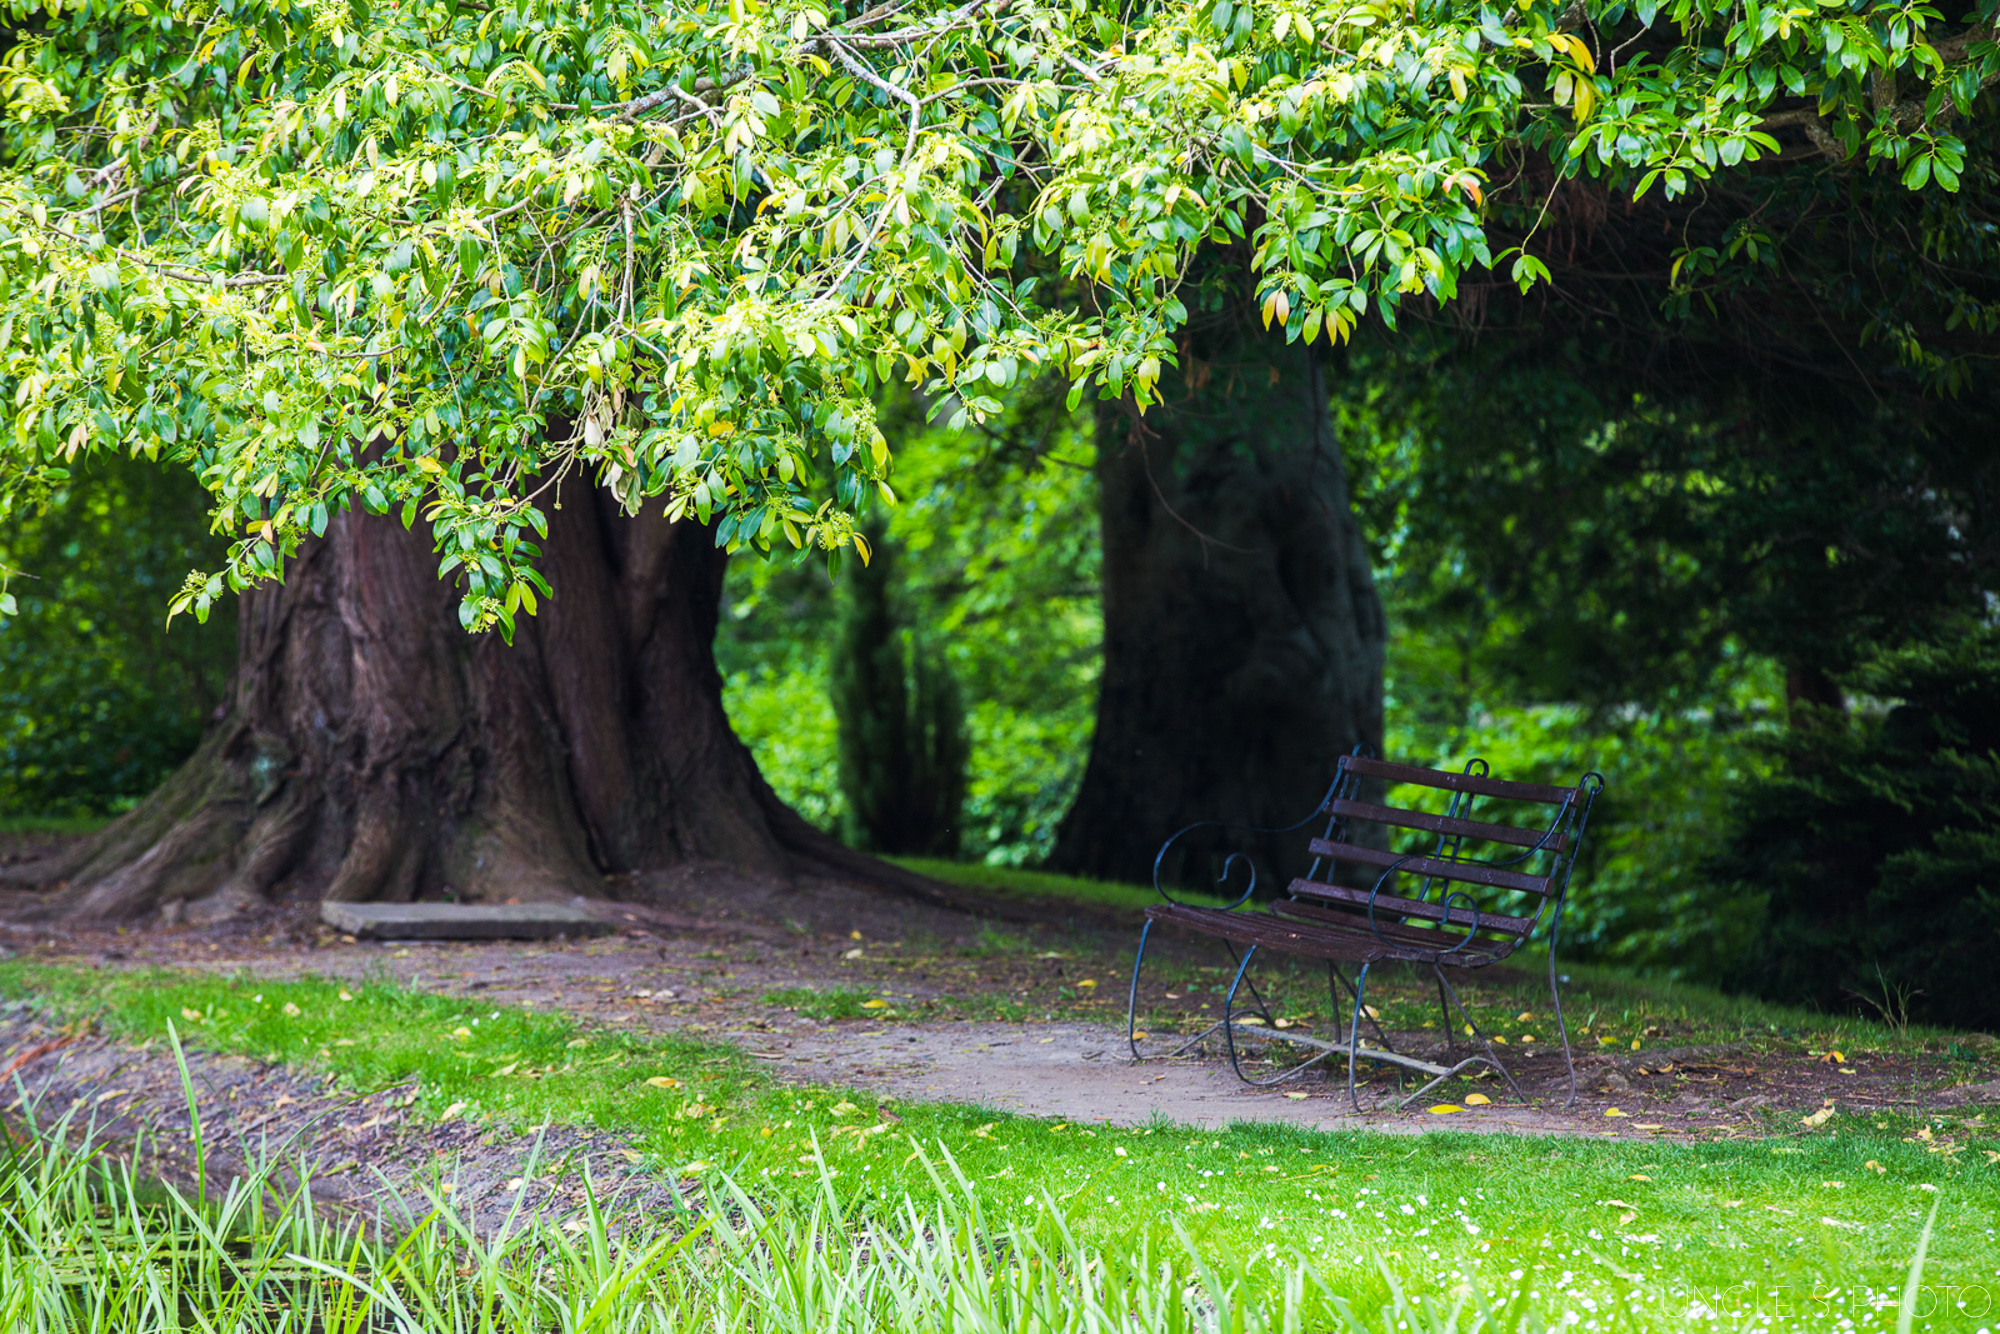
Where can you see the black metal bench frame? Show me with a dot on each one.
(1318, 919)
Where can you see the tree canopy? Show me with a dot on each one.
(434, 257)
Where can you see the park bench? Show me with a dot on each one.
(1522, 874)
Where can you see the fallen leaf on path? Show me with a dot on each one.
(1444, 1109)
(1298, 1097)
(1477, 1100)
(1613, 1111)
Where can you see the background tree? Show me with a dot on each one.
(439, 260)
(903, 747)
(1243, 638)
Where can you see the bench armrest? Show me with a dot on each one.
(1228, 863)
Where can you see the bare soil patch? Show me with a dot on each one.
(1013, 1015)
(361, 1154)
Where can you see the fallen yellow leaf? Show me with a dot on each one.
(1088, 982)
(664, 1082)
(1639, 1176)
(1136, 1037)
(1613, 1111)
(1297, 1097)
(1524, 1016)
(1635, 1044)
(1818, 1118)
(1476, 1100)
(1445, 1109)
(1647, 1125)
(875, 1005)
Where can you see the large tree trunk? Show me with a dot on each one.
(372, 750)
(1243, 636)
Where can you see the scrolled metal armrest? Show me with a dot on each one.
(1227, 863)
(1444, 904)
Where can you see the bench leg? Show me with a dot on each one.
(1228, 1028)
(1354, 1036)
(1380, 1036)
(1132, 996)
(1479, 1036)
(1333, 984)
(1562, 1026)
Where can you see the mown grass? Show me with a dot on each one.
(87, 1246)
(1567, 1223)
(1058, 891)
(52, 824)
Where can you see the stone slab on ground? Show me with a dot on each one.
(461, 921)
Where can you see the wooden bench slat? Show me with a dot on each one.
(1420, 937)
(1261, 928)
(1446, 824)
(1324, 940)
(1467, 872)
(1491, 787)
(1390, 905)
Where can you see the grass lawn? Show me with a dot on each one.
(1804, 1229)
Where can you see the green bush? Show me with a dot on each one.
(99, 701)
(1875, 846)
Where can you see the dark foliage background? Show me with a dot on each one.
(99, 698)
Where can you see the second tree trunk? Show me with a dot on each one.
(1243, 637)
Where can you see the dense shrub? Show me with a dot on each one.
(1875, 847)
(99, 699)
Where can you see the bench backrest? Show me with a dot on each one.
(1520, 863)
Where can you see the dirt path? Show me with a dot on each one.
(966, 1012)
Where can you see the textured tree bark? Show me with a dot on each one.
(372, 750)
(1243, 637)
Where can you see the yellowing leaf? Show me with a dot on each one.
(1477, 1100)
(664, 1082)
(1298, 1097)
(1444, 1109)
(1586, 98)
(1613, 1111)
(875, 1005)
